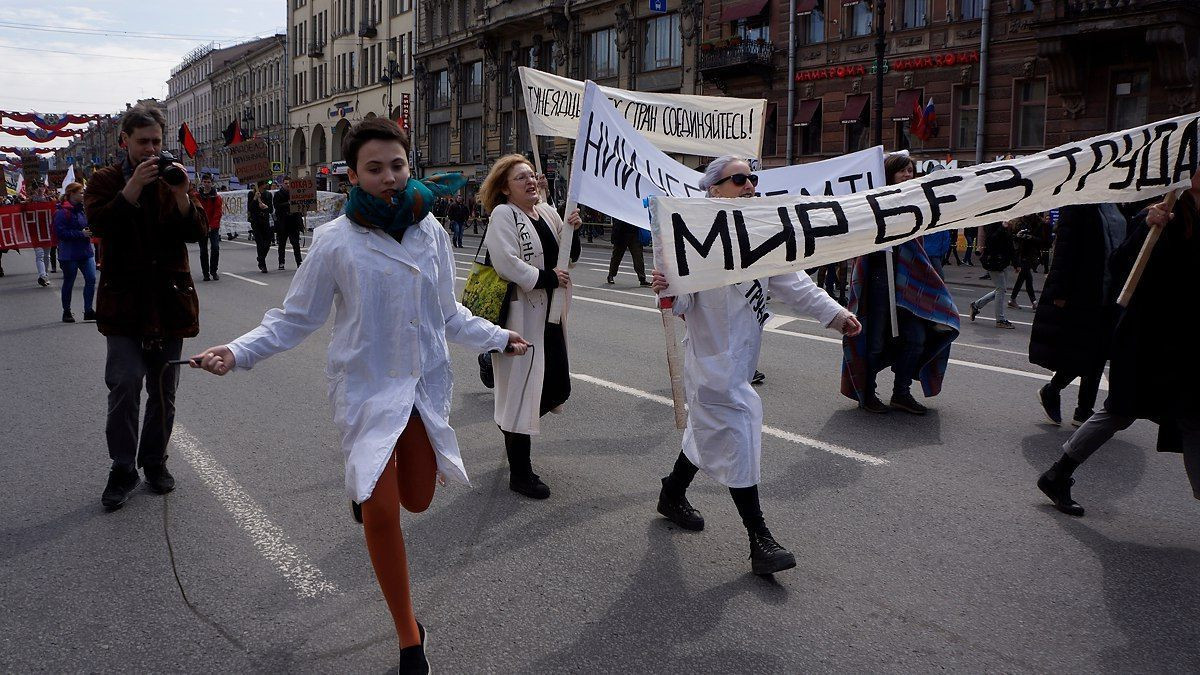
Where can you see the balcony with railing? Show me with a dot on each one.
(735, 53)
(367, 29)
(316, 48)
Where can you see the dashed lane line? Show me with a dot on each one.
(238, 276)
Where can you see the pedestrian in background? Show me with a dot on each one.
(75, 251)
(1076, 317)
(522, 244)
(457, 213)
(146, 303)
(258, 208)
(210, 245)
(937, 248)
(289, 224)
(1029, 236)
(995, 255)
(627, 237)
(42, 257)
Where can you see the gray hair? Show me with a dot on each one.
(712, 174)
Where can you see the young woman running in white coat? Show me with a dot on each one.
(724, 428)
(386, 268)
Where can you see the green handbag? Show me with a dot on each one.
(485, 292)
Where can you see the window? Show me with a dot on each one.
(662, 45)
(970, 9)
(813, 30)
(473, 76)
(966, 114)
(913, 14)
(856, 120)
(461, 6)
(441, 90)
(472, 140)
(1029, 97)
(439, 143)
(601, 57)
(1130, 90)
(754, 28)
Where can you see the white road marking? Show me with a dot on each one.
(768, 430)
(267, 537)
(238, 276)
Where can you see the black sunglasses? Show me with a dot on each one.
(739, 179)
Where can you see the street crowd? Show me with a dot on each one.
(396, 434)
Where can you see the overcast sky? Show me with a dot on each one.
(88, 57)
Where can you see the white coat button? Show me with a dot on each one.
(392, 373)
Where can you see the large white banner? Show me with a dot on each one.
(615, 168)
(707, 243)
(684, 123)
(234, 217)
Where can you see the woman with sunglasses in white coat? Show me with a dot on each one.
(724, 334)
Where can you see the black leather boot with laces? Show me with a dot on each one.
(766, 555)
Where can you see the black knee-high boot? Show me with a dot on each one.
(521, 477)
(672, 502)
(767, 556)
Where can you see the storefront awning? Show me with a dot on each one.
(808, 108)
(855, 105)
(906, 100)
(743, 10)
(805, 7)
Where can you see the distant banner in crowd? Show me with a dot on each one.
(684, 123)
(707, 243)
(27, 226)
(615, 168)
(234, 219)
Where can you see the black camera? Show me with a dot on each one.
(167, 170)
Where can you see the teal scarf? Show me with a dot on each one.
(408, 206)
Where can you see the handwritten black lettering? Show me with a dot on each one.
(1185, 159)
(804, 212)
(1068, 154)
(719, 229)
(786, 237)
(882, 214)
(1016, 180)
(1158, 162)
(935, 200)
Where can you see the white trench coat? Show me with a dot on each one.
(516, 254)
(724, 428)
(395, 309)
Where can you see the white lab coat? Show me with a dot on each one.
(395, 310)
(724, 429)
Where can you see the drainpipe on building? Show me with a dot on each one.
(287, 107)
(791, 110)
(984, 37)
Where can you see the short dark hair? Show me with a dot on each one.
(142, 115)
(376, 128)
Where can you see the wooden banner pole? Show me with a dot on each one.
(1143, 259)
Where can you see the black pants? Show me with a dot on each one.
(745, 499)
(130, 362)
(210, 252)
(284, 236)
(635, 251)
(1089, 387)
(1025, 274)
(263, 239)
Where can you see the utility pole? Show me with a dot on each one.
(880, 66)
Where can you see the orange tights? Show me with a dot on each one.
(408, 480)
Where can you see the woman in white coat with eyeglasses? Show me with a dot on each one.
(724, 426)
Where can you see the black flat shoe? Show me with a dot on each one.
(412, 659)
(1051, 401)
(120, 484)
(907, 403)
(158, 479)
(767, 556)
(531, 486)
(68, 317)
(679, 511)
(872, 404)
(1058, 488)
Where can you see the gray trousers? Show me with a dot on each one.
(1102, 425)
(130, 362)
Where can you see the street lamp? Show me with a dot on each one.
(389, 75)
(248, 114)
(880, 66)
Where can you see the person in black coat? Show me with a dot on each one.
(1155, 361)
(1076, 315)
(258, 208)
(288, 225)
(626, 236)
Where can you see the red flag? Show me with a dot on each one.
(233, 133)
(188, 141)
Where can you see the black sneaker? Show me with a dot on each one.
(1058, 488)
(158, 479)
(89, 315)
(610, 281)
(42, 282)
(905, 401)
(281, 267)
(974, 311)
(215, 277)
(1051, 400)
(1080, 417)
(871, 403)
(412, 659)
(531, 486)
(121, 482)
(759, 377)
(679, 511)
(767, 556)
(68, 317)
(206, 278)
(1005, 323)
(644, 283)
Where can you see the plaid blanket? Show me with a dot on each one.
(919, 290)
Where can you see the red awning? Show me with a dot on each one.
(805, 7)
(855, 105)
(808, 108)
(906, 99)
(743, 10)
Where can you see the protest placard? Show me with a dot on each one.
(251, 161)
(615, 168)
(302, 195)
(707, 243)
(684, 123)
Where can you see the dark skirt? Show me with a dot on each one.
(556, 384)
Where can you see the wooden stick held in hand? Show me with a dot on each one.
(1135, 275)
(674, 365)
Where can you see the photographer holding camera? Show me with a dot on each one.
(147, 301)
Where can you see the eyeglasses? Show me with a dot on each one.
(523, 177)
(739, 179)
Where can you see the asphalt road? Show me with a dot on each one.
(922, 543)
